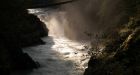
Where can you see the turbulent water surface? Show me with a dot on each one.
(59, 56)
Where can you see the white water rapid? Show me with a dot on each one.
(59, 56)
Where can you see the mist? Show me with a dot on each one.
(84, 19)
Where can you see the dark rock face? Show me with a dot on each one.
(120, 56)
(125, 61)
(18, 29)
(21, 25)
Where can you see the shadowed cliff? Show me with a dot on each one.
(118, 53)
(18, 29)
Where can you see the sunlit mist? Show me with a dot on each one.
(73, 21)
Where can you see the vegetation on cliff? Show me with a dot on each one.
(120, 55)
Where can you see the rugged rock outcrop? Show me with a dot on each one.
(18, 29)
(121, 55)
(122, 60)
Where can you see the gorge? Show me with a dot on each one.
(78, 37)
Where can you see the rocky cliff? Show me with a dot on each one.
(18, 29)
(120, 55)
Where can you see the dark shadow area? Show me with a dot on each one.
(18, 29)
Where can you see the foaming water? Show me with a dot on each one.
(59, 56)
(76, 19)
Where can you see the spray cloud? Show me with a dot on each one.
(76, 20)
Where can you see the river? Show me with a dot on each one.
(59, 56)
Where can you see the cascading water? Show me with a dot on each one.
(59, 56)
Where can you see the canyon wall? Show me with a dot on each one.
(118, 55)
(18, 29)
